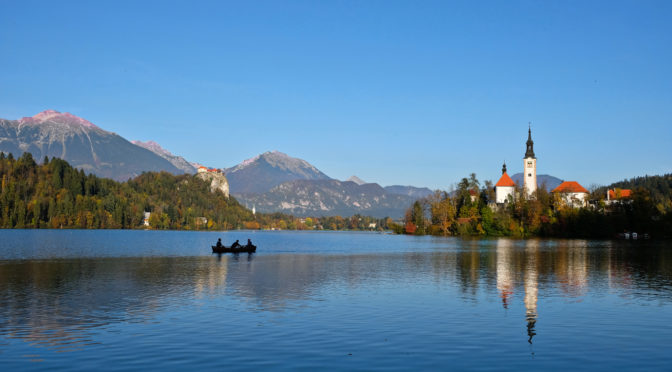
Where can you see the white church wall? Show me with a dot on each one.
(502, 193)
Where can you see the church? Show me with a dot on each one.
(570, 192)
(505, 187)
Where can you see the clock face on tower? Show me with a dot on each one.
(529, 164)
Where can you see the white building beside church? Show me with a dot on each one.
(504, 188)
(572, 194)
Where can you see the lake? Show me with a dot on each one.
(150, 300)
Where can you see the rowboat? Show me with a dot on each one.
(241, 249)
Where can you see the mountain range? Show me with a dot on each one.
(272, 181)
(329, 198)
(277, 182)
(83, 144)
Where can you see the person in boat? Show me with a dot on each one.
(249, 243)
(219, 243)
(236, 245)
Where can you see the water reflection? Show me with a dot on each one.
(505, 274)
(531, 287)
(64, 304)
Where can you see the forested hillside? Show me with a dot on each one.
(658, 187)
(56, 195)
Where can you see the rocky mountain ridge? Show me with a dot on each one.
(80, 142)
(329, 198)
(265, 171)
(178, 161)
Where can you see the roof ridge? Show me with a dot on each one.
(570, 186)
(505, 181)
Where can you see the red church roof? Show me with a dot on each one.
(505, 181)
(624, 194)
(570, 186)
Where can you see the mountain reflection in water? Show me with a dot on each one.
(65, 304)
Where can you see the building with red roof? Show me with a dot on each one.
(504, 188)
(617, 194)
(203, 169)
(572, 194)
(570, 187)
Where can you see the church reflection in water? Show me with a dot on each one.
(506, 278)
(565, 265)
(531, 287)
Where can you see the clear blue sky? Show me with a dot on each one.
(396, 92)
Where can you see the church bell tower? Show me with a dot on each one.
(530, 166)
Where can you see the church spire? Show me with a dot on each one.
(530, 144)
(504, 168)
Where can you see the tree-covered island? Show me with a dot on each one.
(471, 210)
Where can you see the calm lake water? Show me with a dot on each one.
(147, 300)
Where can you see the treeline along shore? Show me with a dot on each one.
(471, 210)
(55, 195)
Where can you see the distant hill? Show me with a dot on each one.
(659, 188)
(178, 161)
(265, 171)
(414, 192)
(542, 179)
(329, 198)
(81, 143)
